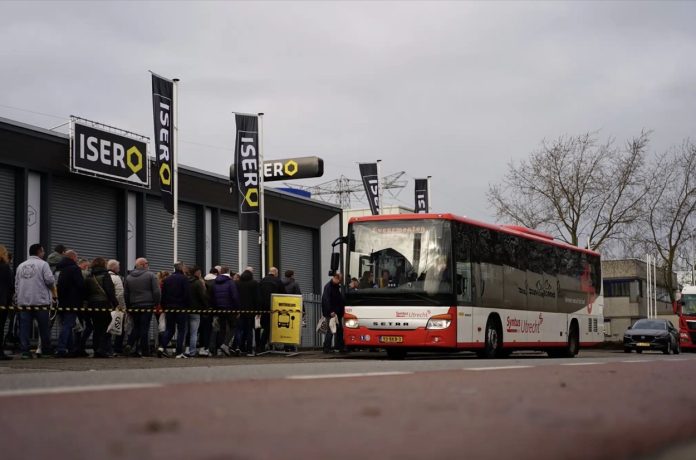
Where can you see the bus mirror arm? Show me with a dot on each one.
(339, 240)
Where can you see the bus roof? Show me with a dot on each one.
(517, 230)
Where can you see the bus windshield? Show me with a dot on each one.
(400, 263)
(689, 307)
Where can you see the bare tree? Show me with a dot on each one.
(669, 222)
(576, 187)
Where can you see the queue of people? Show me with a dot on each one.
(228, 313)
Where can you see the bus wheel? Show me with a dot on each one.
(494, 340)
(573, 346)
(573, 341)
(396, 353)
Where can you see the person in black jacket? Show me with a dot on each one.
(333, 304)
(6, 295)
(270, 284)
(71, 294)
(101, 294)
(176, 294)
(224, 295)
(249, 299)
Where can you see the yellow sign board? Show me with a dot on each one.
(286, 319)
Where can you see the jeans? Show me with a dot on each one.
(264, 333)
(178, 322)
(139, 339)
(3, 318)
(338, 343)
(224, 336)
(101, 340)
(25, 322)
(81, 344)
(206, 329)
(244, 333)
(67, 320)
(194, 322)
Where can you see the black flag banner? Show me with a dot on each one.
(421, 196)
(246, 160)
(370, 180)
(163, 109)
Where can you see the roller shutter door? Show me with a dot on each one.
(83, 218)
(297, 253)
(7, 208)
(159, 238)
(254, 254)
(187, 234)
(229, 240)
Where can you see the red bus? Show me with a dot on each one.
(440, 282)
(686, 310)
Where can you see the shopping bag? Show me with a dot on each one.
(322, 326)
(257, 322)
(332, 324)
(162, 323)
(116, 324)
(128, 324)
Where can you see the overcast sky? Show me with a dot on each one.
(452, 90)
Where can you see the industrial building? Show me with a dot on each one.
(42, 201)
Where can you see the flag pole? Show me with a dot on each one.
(380, 200)
(429, 193)
(175, 160)
(262, 213)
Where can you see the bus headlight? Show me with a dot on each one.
(350, 321)
(439, 322)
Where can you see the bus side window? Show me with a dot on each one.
(464, 285)
(463, 276)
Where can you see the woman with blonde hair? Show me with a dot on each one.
(6, 295)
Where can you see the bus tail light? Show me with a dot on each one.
(350, 321)
(439, 321)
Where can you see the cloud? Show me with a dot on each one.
(448, 89)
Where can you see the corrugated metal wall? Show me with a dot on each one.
(83, 218)
(7, 209)
(159, 237)
(229, 241)
(297, 253)
(254, 254)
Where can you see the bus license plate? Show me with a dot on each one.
(643, 344)
(391, 339)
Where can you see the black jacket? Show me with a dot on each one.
(6, 285)
(100, 290)
(270, 285)
(71, 284)
(291, 286)
(199, 293)
(176, 291)
(249, 295)
(332, 300)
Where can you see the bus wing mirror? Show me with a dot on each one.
(335, 260)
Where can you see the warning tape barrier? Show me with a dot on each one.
(203, 311)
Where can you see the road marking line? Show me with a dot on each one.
(498, 368)
(77, 389)
(639, 361)
(343, 376)
(580, 364)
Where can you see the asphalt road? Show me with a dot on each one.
(601, 405)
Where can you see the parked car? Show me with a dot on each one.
(652, 334)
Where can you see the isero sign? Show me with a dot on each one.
(103, 153)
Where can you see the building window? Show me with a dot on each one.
(617, 288)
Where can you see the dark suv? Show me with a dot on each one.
(652, 334)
